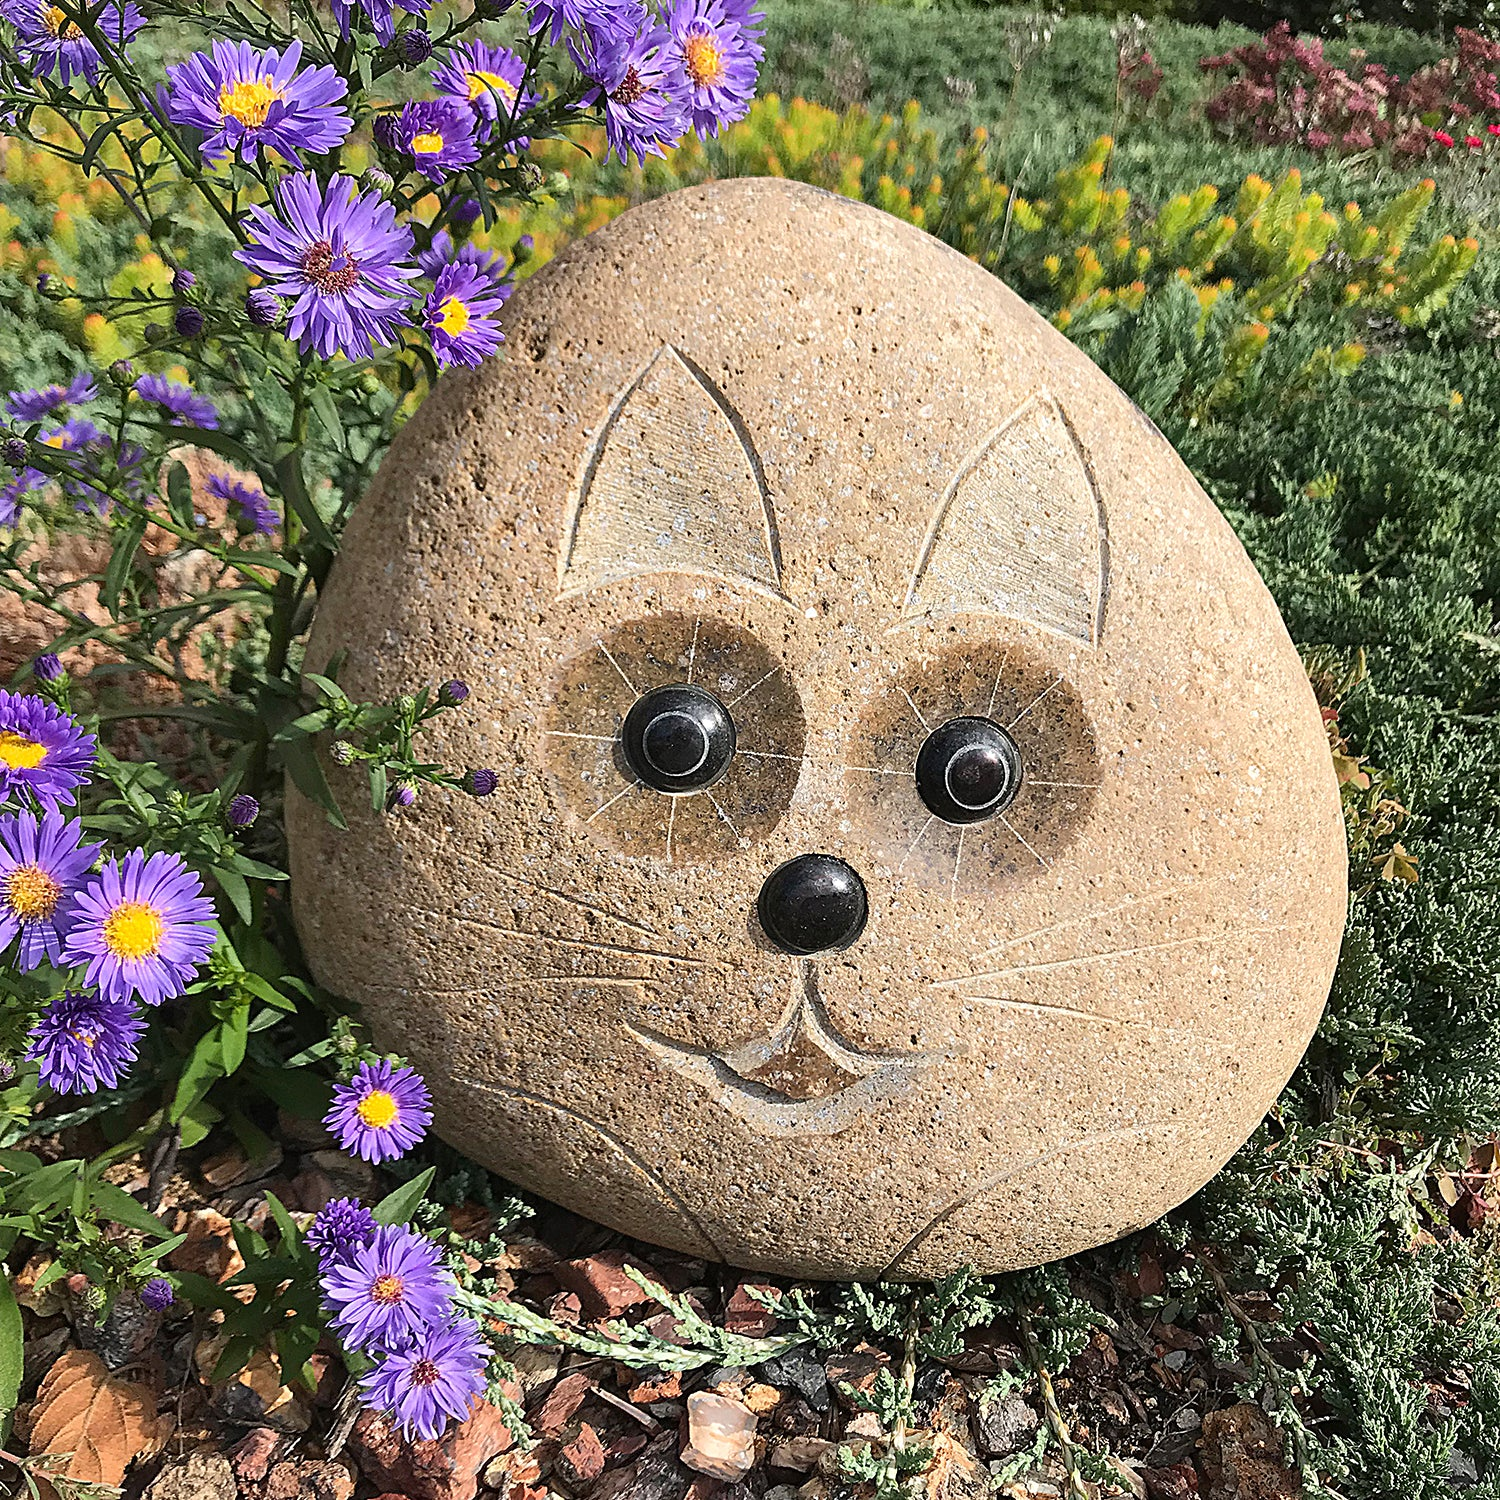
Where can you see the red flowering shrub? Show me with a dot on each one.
(1282, 90)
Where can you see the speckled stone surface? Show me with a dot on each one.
(783, 447)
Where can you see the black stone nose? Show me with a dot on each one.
(812, 903)
(678, 738)
(968, 770)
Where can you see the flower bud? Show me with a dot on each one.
(183, 281)
(243, 811)
(403, 794)
(414, 46)
(384, 131)
(378, 180)
(122, 374)
(188, 321)
(559, 185)
(406, 705)
(47, 667)
(342, 753)
(44, 282)
(263, 308)
(466, 213)
(480, 782)
(14, 450)
(532, 177)
(452, 693)
(154, 333)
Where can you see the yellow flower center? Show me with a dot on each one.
(377, 1109)
(428, 143)
(248, 100)
(454, 317)
(704, 58)
(55, 439)
(59, 25)
(86, 1037)
(20, 753)
(31, 893)
(133, 930)
(387, 1290)
(482, 82)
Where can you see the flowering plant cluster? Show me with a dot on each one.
(316, 190)
(1283, 90)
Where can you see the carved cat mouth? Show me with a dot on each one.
(802, 1078)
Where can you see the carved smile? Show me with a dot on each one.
(803, 1078)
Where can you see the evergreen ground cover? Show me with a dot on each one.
(1340, 1275)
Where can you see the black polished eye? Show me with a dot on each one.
(968, 770)
(678, 738)
(812, 903)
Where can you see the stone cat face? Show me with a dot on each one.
(916, 842)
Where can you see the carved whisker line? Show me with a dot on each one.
(1081, 786)
(1094, 916)
(1021, 839)
(1041, 1008)
(573, 734)
(921, 717)
(474, 991)
(718, 809)
(759, 680)
(1091, 958)
(621, 670)
(671, 824)
(587, 945)
(605, 807)
(693, 649)
(989, 712)
(808, 756)
(958, 859)
(567, 898)
(912, 847)
(1048, 689)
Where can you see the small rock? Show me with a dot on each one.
(536, 1367)
(353, 1177)
(209, 1249)
(799, 1371)
(721, 1436)
(565, 1307)
(307, 1479)
(600, 1283)
(311, 1189)
(556, 1408)
(230, 1168)
(865, 1425)
(743, 1314)
(781, 1492)
(1187, 1420)
(305, 1132)
(801, 1454)
(762, 1398)
(38, 1355)
(202, 1475)
(125, 1335)
(705, 1487)
(1242, 1451)
(1175, 1482)
(859, 1369)
(445, 1468)
(251, 1456)
(1004, 1427)
(655, 1387)
(581, 1460)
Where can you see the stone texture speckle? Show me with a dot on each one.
(918, 502)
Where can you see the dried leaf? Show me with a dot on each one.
(103, 1422)
(1399, 865)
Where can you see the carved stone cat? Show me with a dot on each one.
(916, 842)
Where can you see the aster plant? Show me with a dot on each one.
(320, 188)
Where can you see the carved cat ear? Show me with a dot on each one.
(1019, 531)
(670, 485)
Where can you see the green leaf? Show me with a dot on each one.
(197, 1121)
(218, 442)
(12, 1345)
(180, 496)
(301, 761)
(328, 412)
(126, 543)
(398, 1207)
(203, 1068)
(232, 883)
(289, 474)
(291, 1236)
(234, 1030)
(116, 1205)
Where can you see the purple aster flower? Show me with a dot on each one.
(181, 402)
(27, 482)
(247, 502)
(461, 316)
(381, 1113)
(598, 20)
(719, 55)
(340, 1228)
(243, 810)
(487, 80)
(341, 255)
(243, 100)
(435, 1377)
(34, 405)
(157, 1294)
(48, 42)
(142, 927)
(47, 667)
(43, 863)
(438, 136)
(388, 1291)
(85, 1041)
(644, 94)
(381, 14)
(42, 750)
(441, 254)
(76, 434)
